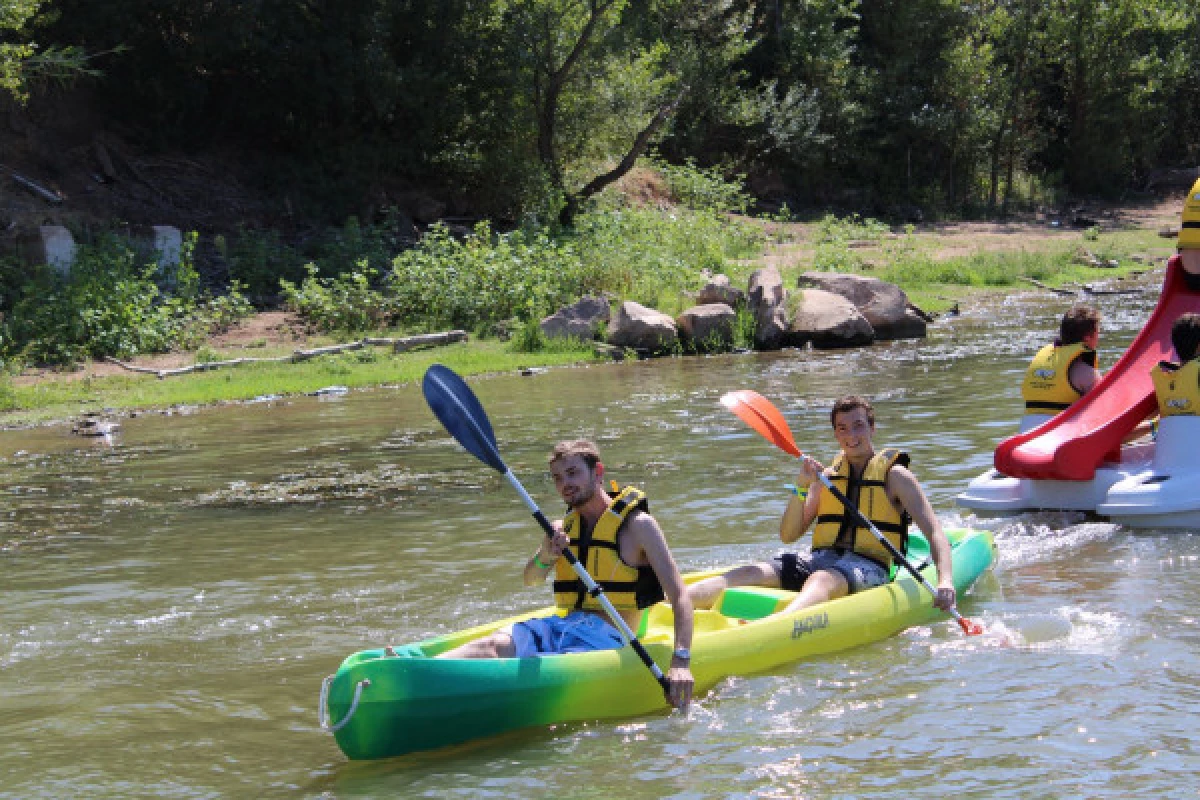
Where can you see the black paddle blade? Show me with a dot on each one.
(459, 410)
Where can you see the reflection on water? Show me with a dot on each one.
(171, 601)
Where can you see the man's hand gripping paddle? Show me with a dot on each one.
(758, 412)
(459, 410)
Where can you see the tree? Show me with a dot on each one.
(16, 50)
(604, 79)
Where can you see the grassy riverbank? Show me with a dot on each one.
(938, 267)
(56, 397)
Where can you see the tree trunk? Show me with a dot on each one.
(640, 142)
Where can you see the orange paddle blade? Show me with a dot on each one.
(758, 412)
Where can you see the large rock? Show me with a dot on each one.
(708, 327)
(827, 320)
(581, 320)
(765, 297)
(720, 290)
(642, 328)
(885, 305)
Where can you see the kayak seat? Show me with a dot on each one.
(658, 623)
(917, 553)
(752, 602)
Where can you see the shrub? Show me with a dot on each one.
(109, 305)
(342, 303)
(484, 278)
(704, 189)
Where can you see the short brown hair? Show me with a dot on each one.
(1185, 335)
(849, 403)
(583, 448)
(1077, 323)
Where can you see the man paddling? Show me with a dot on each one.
(846, 558)
(622, 547)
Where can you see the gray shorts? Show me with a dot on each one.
(860, 572)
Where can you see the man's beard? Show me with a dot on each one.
(583, 496)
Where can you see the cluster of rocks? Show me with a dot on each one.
(826, 310)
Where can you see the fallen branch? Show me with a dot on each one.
(1041, 285)
(920, 312)
(400, 345)
(41, 191)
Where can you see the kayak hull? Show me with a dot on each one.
(383, 705)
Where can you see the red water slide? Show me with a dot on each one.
(1072, 444)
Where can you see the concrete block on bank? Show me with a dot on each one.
(168, 246)
(53, 245)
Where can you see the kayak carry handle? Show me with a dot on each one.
(323, 718)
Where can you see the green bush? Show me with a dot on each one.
(259, 259)
(704, 189)
(342, 303)
(110, 305)
(484, 278)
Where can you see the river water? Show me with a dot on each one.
(170, 600)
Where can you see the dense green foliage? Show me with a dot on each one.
(15, 49)
(111, 304)
(527, 108)
(489, 281)
(526, 112)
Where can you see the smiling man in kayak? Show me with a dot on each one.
(623, 549)
(846, 557)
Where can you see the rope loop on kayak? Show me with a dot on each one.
(323, 718)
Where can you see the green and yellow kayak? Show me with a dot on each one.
(380, 705)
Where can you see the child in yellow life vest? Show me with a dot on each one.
(1064, 371)
(1177, 385)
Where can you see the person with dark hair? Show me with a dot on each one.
(1177, 385)
(622, 547)
(846, 557)
(1065, 370)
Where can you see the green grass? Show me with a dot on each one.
(58, 398)
(936, 283)
(650, 257)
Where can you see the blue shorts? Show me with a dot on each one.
(578, 632)
(860, 572)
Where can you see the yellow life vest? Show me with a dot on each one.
(627, 588)
(837, 527)
(1189, 228)
(1177, 388)
(1047, 389)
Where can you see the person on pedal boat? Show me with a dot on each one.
(623, 549)
(1189, 237)
(1064, 371)
(1177, 385)
(846, 558)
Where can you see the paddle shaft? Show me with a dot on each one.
(593, 588)
(891, 548)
